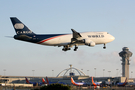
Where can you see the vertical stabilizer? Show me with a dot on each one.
(125, 82)
(72, 81)
(93, 81)
(19, 27)
(27, 81)
(43, 80)
(47, 80)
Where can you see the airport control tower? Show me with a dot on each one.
(125, 54)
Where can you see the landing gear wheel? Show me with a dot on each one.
(75, 48)
(104, 46)
(65, 48)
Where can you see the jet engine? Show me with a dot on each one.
(89, 42)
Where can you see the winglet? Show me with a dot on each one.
(76, 34)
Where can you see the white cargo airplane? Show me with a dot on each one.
(66, 40)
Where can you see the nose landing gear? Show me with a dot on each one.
(104, 46)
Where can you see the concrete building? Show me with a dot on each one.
(125, 54)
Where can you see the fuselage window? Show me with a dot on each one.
(89, 36)
(102, 35)
(93, 36)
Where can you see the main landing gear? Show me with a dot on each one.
(75, 48)
(65, 48)
(104, 46)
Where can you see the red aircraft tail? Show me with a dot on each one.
(72, 81)
(27, 81)
(125, 82)
(43, 80)
(95, 86)
(93, 81)
(47, 80)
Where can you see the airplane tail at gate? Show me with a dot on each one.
(19, 27)
(47, 80)
(125, 82)
(72, 81)
(43, 80)
(27, 81)
(93, 81)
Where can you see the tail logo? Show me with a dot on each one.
(18, 26)
(24, 32)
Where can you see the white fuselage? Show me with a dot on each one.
(97, 37)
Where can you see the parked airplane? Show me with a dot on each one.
(122, 84)
(95, 84)
(34, 83)
(66, 40)
(48, 82)
(77, 83)
(132, 83)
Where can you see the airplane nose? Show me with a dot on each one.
(112, 38)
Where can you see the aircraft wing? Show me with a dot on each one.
(76, 34)
(78, 39)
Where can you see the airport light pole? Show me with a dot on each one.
(88, 72)
(109, 76)
(117, 72)
(109, 73)
(33, 73)
(95, 71)
(52, 73)
(4, 72)
(4, 77)
(131, 73)
(103, 72)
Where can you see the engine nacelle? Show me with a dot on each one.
(89, 42)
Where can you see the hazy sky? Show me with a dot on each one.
(18, 58)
